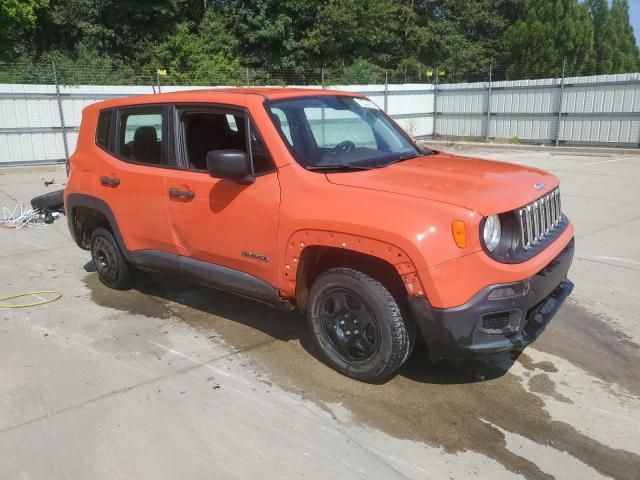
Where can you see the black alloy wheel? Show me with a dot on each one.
(351, 328)
(357, 325)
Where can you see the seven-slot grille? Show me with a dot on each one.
(539, 218)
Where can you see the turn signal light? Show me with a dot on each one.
(459, 230)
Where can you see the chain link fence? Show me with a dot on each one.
(361, 72)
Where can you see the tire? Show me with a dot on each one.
(113, 269)
(49, 202)
(358, 325)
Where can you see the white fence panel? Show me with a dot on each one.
(601, 109)
(612, 128)
(534, 100)
(457, 101)
(529, 128)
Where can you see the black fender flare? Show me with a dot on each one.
(74, 200)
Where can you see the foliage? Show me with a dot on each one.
(270, 32)
(201, 55)
(17, 17)
(290, 41)
(549, 33)
(468, 35)
(625, 56)
(361, 72)
(614, 43)
(348, 30)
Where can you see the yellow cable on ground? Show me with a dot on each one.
(34, 304)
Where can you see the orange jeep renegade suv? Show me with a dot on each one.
(316, 199)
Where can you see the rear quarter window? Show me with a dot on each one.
(140, 132)
(103, 130)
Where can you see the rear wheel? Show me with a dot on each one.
(358, 325)
(113, 269)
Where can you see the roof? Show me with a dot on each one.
(211, 94)
(278, 92)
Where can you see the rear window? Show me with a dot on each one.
(104, 124)
(140, 135)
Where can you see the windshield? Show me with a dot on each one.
(340, 132)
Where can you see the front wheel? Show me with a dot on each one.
(358, 325)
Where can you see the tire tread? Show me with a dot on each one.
(403, 331)
(125, 279)
(49, 201)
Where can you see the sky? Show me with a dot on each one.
(634, 13)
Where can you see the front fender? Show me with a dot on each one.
(391, 254)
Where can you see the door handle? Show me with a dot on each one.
(109, 181)
(176, 192)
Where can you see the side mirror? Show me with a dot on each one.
(233, 164)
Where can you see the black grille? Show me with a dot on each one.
(496, 321)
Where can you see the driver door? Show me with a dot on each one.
(220, 221)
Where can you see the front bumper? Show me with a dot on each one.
(500, 317)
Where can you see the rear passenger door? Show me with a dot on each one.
(131, 177)
(220, 221)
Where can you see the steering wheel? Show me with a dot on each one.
(344, 146)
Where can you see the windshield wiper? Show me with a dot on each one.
(339, 166)
(401, 159)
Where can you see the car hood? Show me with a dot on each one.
(485, 186)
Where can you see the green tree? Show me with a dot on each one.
(347, 30)
(360, 72)
(202, 55)
(625, 54)
(466, 37)
(16, 18)
(270, 32)
(119, 28)
(549, 33)
(604, 36)
(614, 42)
(208, 42)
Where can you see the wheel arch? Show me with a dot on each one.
(311, 252)
(85, 213)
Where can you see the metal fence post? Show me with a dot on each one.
(559, 122)
(322, 78)
(248, 80)
(487, 132)
(386, 91)
(63, 128)
(435, 104)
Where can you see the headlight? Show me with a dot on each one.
(492, 232)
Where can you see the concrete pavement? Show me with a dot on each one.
(173, 381)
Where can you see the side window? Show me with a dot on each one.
(141, 135)
(231, 121)
(206, 131)
(203, 131)
(262, 162)
(103, 129)
(282, 123)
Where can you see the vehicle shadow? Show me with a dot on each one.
(206, 306)
(216, 304)
(449, 372)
